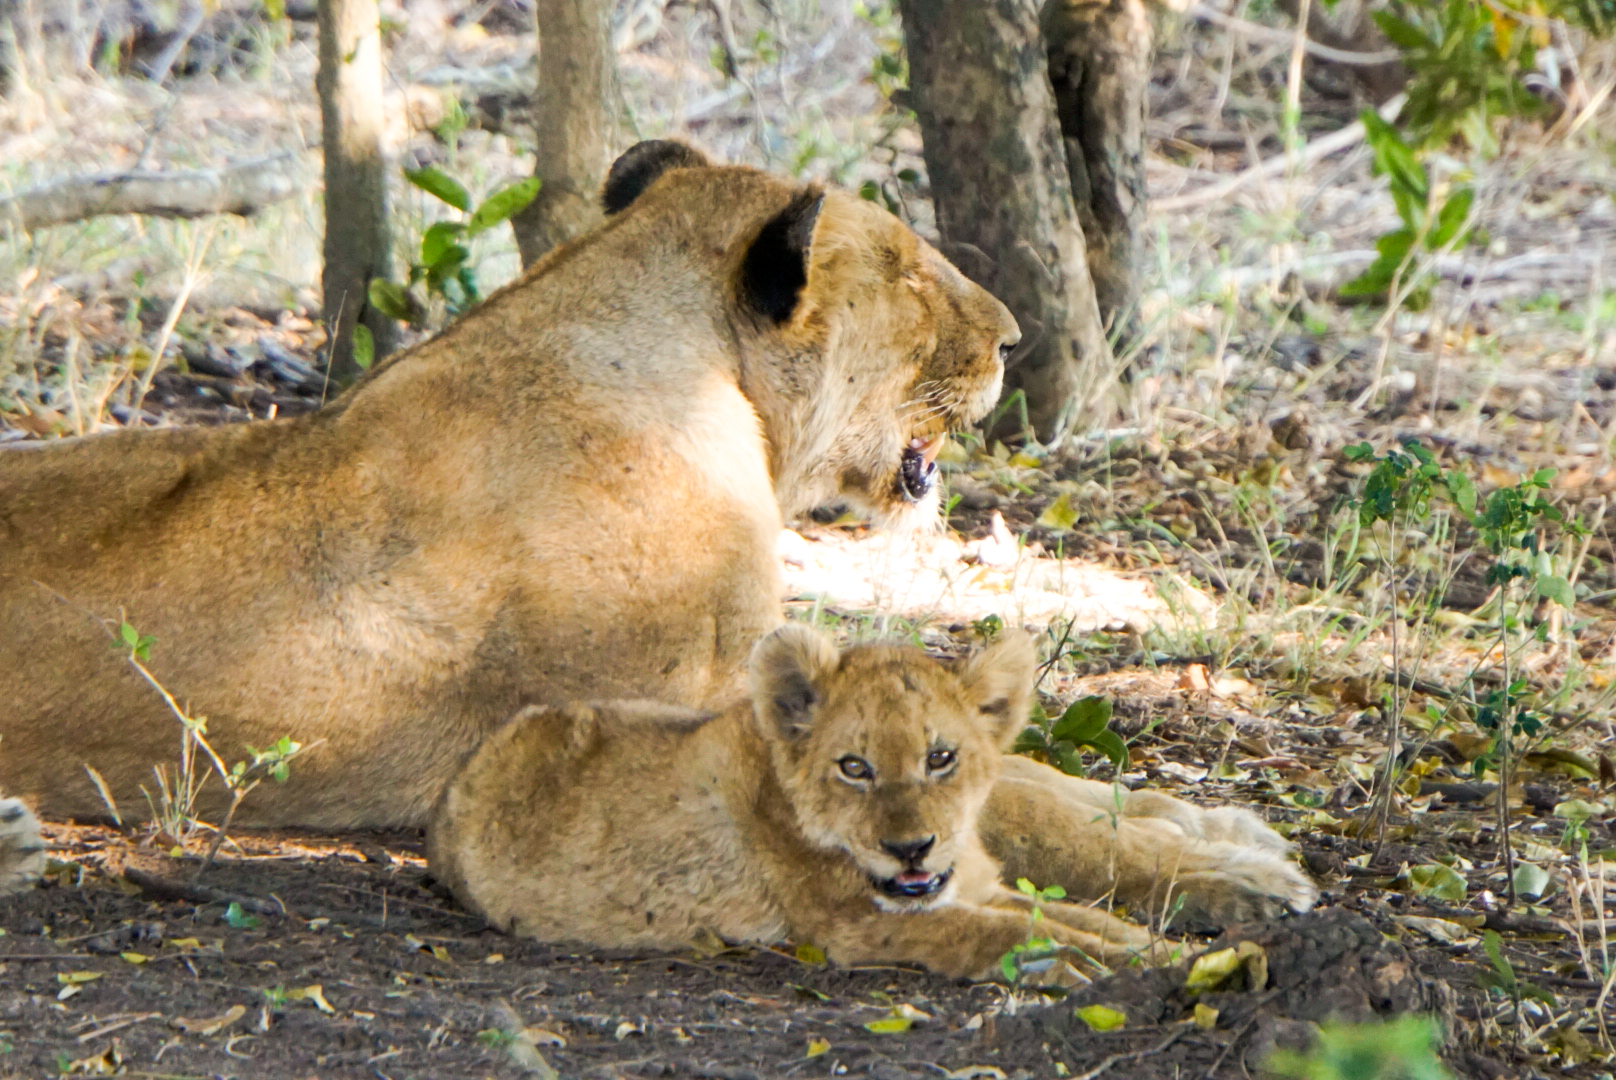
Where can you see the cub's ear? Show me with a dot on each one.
(787, 669)
(639, 167)
(1000, 680)
(776, 265)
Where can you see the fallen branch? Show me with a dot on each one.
(1275, 36)
(1320, 148)
(244, 188)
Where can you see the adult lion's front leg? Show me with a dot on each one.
(1146, 850)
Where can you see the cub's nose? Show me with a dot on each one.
(909, 852)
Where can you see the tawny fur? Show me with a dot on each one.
(576, 491)
(638, 825)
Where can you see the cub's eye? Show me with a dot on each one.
(940, 760)
(855, 768)
(1004, 352)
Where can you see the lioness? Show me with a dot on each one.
(574, 492)
(839, 805)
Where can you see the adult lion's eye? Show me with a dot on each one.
(940, 760)
(855, 768)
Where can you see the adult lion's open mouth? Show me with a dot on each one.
(914, 884)
(917, 471)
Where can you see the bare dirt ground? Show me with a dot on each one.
(1195, 561)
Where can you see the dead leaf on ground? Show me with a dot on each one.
(211, 1025)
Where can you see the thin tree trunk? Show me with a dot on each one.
(980, 86)
(1099, 66)
(575, 119)
(358, 244)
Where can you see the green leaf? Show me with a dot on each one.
(1394, 248)
(1393, 157)
(439, 238)
(1083, 719)
(811, 954)
(434, 181)
(502, 204)
(1494, 945)
(1451, 218)
(1462, 489)
(1102, 1017)
(1358, 452)
(446, 271)
(1531, 880)
(364, 346)
(130, 636)
(1030, 741)
(1060, 515)
(391, 299)
(1558, 589)
(1400, 32)
(1437, 880)
(1111, 745)
(870, 191)
(236, 917)
(890, 1025)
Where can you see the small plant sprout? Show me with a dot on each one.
(175, 805)
(1085, 725)
(1039, 952)
(443, 266)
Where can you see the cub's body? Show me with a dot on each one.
(634, 825)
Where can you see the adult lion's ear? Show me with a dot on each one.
(640, 165)
(1000, 680)
(788, 667)
(776, 265)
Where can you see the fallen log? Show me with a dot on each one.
(243, 188)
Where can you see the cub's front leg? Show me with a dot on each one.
(969, 940)
(1147, 850)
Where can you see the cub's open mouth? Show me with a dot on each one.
(917, 472)
(914, 884)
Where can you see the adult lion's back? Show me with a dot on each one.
(574, 492)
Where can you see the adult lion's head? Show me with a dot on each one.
(861, 347)
(888, 755)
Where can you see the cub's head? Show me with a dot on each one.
(887, 754)
(861, 346)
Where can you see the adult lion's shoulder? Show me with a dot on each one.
(846, 805)
(575, 491)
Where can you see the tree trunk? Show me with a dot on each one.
(575, 120)
(1099, 66)
(980, 83)
(358, 244)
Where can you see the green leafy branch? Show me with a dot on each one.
(443, 266)
(1085, 725)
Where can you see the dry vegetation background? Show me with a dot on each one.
(1196, 559)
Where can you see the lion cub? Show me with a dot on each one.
(838, 806)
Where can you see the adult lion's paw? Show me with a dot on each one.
(22, 849)
(1251, 886)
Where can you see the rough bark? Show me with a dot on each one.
(243, 188)
(358, 244)
(1099, 67)
(980, 86)
(575, 117)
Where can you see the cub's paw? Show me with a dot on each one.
(1248, 886)
(1237, 825)
(22, 849)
